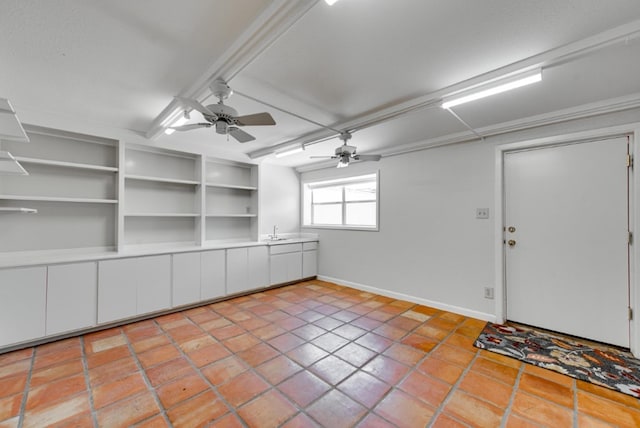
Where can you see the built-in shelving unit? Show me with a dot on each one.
(230, 201)
(160, 203)
(95, 193)
(71, 189)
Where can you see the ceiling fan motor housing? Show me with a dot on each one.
(344, 149)
(223, 112)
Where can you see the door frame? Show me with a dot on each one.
(634, 215)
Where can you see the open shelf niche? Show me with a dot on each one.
(70, 193)
(161, 205)
(231, 201)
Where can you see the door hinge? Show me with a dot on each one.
(630, 314)
(630, 238)
(629, 161)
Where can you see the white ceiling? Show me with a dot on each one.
(119, 63)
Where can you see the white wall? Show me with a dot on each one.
(279, 189)
(430, 245)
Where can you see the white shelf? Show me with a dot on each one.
(162, 215)
(232, 215)
(58, 199)
(161, 179)
(231, 186)
(18, 210)
(66, 164)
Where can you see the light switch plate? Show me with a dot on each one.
(482, 212)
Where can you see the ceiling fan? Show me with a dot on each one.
(224, 118)
(346, 153)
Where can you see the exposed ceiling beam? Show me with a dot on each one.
(556, 56)
(277, 18)
(599, 108)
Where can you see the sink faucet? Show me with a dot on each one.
(275, 233)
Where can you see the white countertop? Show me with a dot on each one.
(34, 258)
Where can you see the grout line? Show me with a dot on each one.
(454, 387)
(87, 381)
(147, 382)
(232, 409)
(516, 386)
(27, 386)
(574, 384)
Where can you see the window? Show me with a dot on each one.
(346, 203)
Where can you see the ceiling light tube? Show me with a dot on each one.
(499, 86)
(290, 151)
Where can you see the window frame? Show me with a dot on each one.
(307, 206)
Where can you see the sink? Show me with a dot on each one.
(276, 239)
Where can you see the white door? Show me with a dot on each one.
(566, 239)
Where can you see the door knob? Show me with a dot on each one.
(511, 243)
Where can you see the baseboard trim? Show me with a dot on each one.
(418, 300)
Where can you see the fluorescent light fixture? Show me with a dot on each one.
(330, 2)
(499, 86)
(290, 151)
(179, 121)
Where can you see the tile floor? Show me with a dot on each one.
(311, 354)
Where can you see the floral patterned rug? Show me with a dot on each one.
(599, 365)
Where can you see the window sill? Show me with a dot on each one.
(339, 227)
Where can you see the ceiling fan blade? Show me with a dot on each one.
(323, 157)
(196, 106)
(191, 126)
(257, 119)
(373, 158)
(240, 135)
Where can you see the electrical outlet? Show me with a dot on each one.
(482, 213)
(488, 292)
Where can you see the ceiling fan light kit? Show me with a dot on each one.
(346, 153)
(222, 117)
(492, 88)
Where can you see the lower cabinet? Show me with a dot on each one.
(286, 263)
(23, 294)
(309, 259)
(247, 269)
(129, 287)
(41, 301)
(213, 274)
(186, 279)
(258, 259)
(71, 297)
(309, 263)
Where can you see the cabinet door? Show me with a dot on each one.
(294, 266)
(237, 275)
(154, 283)
(213, 275)
(258, 267)
(278, 267)
(71, 297)
(186, 278)
(117, 289)
(309, 264)
(129, 287)
(22, 304)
